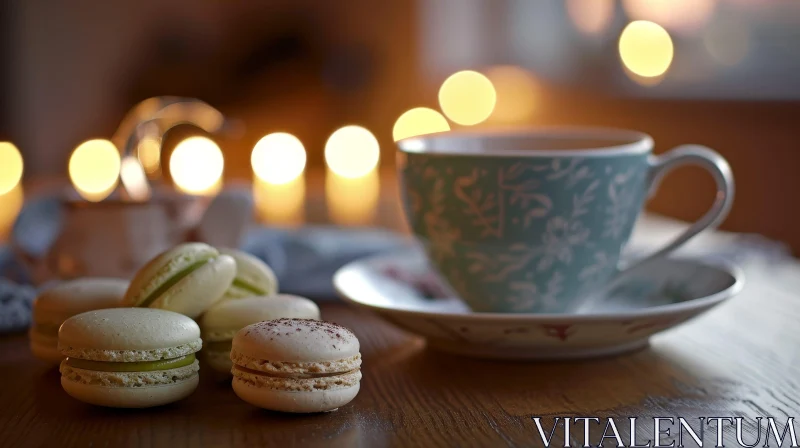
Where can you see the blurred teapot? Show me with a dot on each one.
(59, 238)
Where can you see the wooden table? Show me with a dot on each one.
(742, 359)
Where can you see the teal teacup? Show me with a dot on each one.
(534, 221)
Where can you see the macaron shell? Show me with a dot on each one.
(64, 300)
(253, 271)
(130, 397)
(161, 268)
(128, 334)
(296, 340)
(222, 321)
(199, 290)
(296, 402)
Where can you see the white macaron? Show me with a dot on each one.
(220, 324)
(129, 357)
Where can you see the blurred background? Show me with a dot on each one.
(319, 91)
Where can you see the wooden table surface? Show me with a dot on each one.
(742, 359)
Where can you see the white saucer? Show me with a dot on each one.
(660, 296)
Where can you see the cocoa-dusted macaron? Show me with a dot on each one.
(296, 365)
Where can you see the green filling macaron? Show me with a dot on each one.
(249, 287)
(140, 366)
(172, 282)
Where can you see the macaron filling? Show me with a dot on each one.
(293, 375)
(172, 281)
(138, 366)
(249, 287)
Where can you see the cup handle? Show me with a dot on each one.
(720, 171)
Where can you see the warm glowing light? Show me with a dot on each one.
(419, 121)
(134, 179)
(352, 201)
(11, 167)
(10, 206)
(149, 153)
(517, 94)
(278, 158)
(590, 17)
(196, 166)
(352, 151)
(94, 169)
(282, 204)
(467, 97)
(677, 15)
(727, 41)
(645, 48)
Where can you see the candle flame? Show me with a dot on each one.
(352, 151)
(11, 167)
(196, 166)
(94, 169)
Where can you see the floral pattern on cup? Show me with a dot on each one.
(524, 234)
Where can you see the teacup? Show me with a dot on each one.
(534, 221)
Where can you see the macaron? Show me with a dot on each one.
(187, 279)
(64, 300)
(220, 323)
(296, 365)
(129, 357)
(253, 276)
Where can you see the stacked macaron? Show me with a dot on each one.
(253, 277)
(58, 303)
(190, 278)
(187, 279)
(129, 357)
(219, 324)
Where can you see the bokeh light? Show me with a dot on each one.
(278, 158)
(11, 167)
(352, 201)
(10, 206)
(517, 94)
(134, 178)
(467, 97)
(683, 16)
(590, 17)
(94, 169)
(281, 204)
(419, 121)
(196, 166)
(727, 41)
(149, 154)
(646, 48)
(352, 151)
